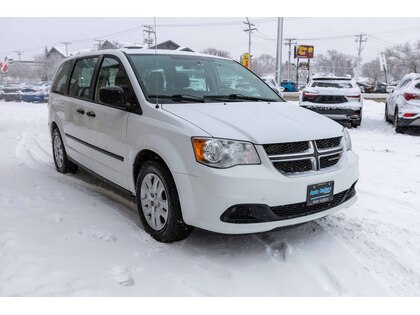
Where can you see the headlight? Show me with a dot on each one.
(223, 153)
(347, 139)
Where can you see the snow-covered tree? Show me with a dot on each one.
(216, 52)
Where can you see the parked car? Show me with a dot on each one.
(289, 86)
(338, 98)
(402, 106)
(380, 87)
(38, 92)
(227, 159)
(273, 84)
(1, 91)
(11, 92)
(365, 88)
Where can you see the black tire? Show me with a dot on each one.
(387, 119)
(397, 126)
(174, 228)
(64, 166)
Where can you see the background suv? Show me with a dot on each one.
(403, 103)
(338, 98)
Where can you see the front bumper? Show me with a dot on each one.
(11, 97)
(205, 197)
(33, 98)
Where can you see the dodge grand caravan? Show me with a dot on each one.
(195, 149)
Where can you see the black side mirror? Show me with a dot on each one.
(112, 95)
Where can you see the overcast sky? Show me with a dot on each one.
(32, 34)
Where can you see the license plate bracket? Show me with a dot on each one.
(320, 193)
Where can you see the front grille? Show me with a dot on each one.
(295, 158)
(302, 209)
(327, 99)
(286, 148)
(296, 166)
(329, 161)
(328, 143)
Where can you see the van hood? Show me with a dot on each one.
(258, 122)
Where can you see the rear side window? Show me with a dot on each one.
(60, 81)
(417, 86)
(81, 82)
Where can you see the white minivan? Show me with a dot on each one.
(197, 150)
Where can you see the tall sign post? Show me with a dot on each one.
(303, 52)
(383, 65)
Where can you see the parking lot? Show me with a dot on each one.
(71, 235)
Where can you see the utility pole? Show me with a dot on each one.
(19, 52)
(251, 27)
(359, 39)
(279, 49)
(67, 47)
(289, 42)
(99, 44)
(149, 30)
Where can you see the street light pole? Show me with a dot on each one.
(289, 42)
(279, 49)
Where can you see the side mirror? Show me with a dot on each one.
(112, 95)
(390, 89)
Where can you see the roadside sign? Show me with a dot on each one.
(246, 61)
(304, 52)
(4, 66)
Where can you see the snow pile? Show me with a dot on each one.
(70, 235)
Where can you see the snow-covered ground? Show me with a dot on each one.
(70, 235)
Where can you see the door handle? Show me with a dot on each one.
(90, 114)
(80, 111)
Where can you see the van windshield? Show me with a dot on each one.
(181, 79)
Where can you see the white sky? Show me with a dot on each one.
(32, 34)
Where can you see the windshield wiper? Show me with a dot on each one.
(238, 97)
(180, 97)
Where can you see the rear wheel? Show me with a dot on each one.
(61, 161)
(397, 126)
(387, 119)
(158, 204)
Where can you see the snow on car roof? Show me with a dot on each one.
(411, 76)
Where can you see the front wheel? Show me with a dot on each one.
(158, 204)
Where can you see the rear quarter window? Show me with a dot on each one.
(60, 81)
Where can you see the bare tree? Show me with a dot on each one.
(216, 52)
(403, 59)
(373, 71)
(335, 62)
(264, 65)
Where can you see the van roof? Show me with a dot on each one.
(145, 51)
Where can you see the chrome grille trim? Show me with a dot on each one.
(313, 154)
